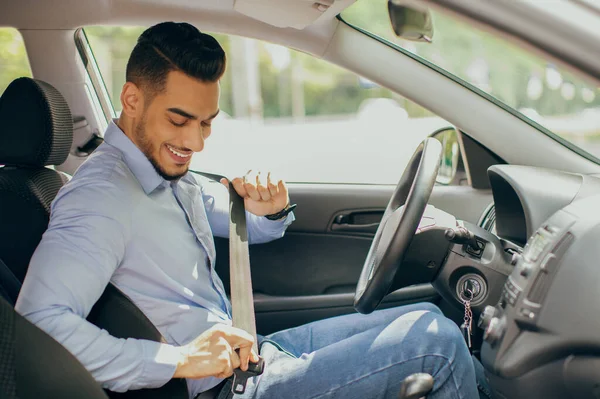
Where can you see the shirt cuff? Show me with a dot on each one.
(262, 230)
(160, 363)
(278, 224)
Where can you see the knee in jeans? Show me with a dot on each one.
(430, 307)
(439, 342)
(450, 338)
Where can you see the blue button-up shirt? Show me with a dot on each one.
(119, 221)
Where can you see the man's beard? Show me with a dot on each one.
(146, 147)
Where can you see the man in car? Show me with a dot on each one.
(133, 216)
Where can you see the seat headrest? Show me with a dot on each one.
(36, 128)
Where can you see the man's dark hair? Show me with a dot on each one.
(171, 46)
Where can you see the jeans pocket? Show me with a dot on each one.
(276, 345)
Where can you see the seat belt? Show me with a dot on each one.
(9, 284)
(242, 301)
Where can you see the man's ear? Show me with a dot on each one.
(132, 100)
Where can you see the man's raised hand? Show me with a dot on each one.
(262, 194)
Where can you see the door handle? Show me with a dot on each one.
(357, 221)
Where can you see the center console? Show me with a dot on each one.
(542, 338)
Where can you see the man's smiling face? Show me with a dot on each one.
(176, 123)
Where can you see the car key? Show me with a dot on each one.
(466, 327)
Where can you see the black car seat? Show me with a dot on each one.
(36, 130)
(33, 365)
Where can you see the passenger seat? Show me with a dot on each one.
(36, 130)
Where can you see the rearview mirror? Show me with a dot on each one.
(450, 155)
(410, 21)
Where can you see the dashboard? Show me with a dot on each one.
(542, 337)
(525, 197)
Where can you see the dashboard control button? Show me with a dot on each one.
(526, 269)
(527, 313)
(547, 261)
(515, 258)
(486, 316)
(495, 330)
(512, 288)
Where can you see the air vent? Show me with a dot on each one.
(488, 222)
(540, 287)
(561, 247)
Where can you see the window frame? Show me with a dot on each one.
(94, 74)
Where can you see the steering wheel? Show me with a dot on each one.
(398, 226)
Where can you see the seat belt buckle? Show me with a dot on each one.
(241, 377)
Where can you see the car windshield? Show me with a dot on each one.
(540, 90)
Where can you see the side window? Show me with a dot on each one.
(284, 111)
(13, 57)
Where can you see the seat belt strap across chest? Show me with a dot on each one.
(9, 284)
(242, 300)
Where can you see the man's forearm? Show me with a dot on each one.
(117, 364)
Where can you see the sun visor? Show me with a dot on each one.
(287, 13)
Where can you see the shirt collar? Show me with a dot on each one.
(135, 159)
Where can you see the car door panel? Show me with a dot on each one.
(311, 272)
(275, 313)
(320, 204)
(303, 263)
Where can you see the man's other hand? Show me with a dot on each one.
(261, 193)
(213, 353)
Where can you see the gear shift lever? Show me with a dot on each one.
(416, 386)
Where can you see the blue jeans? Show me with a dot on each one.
(365, 356)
